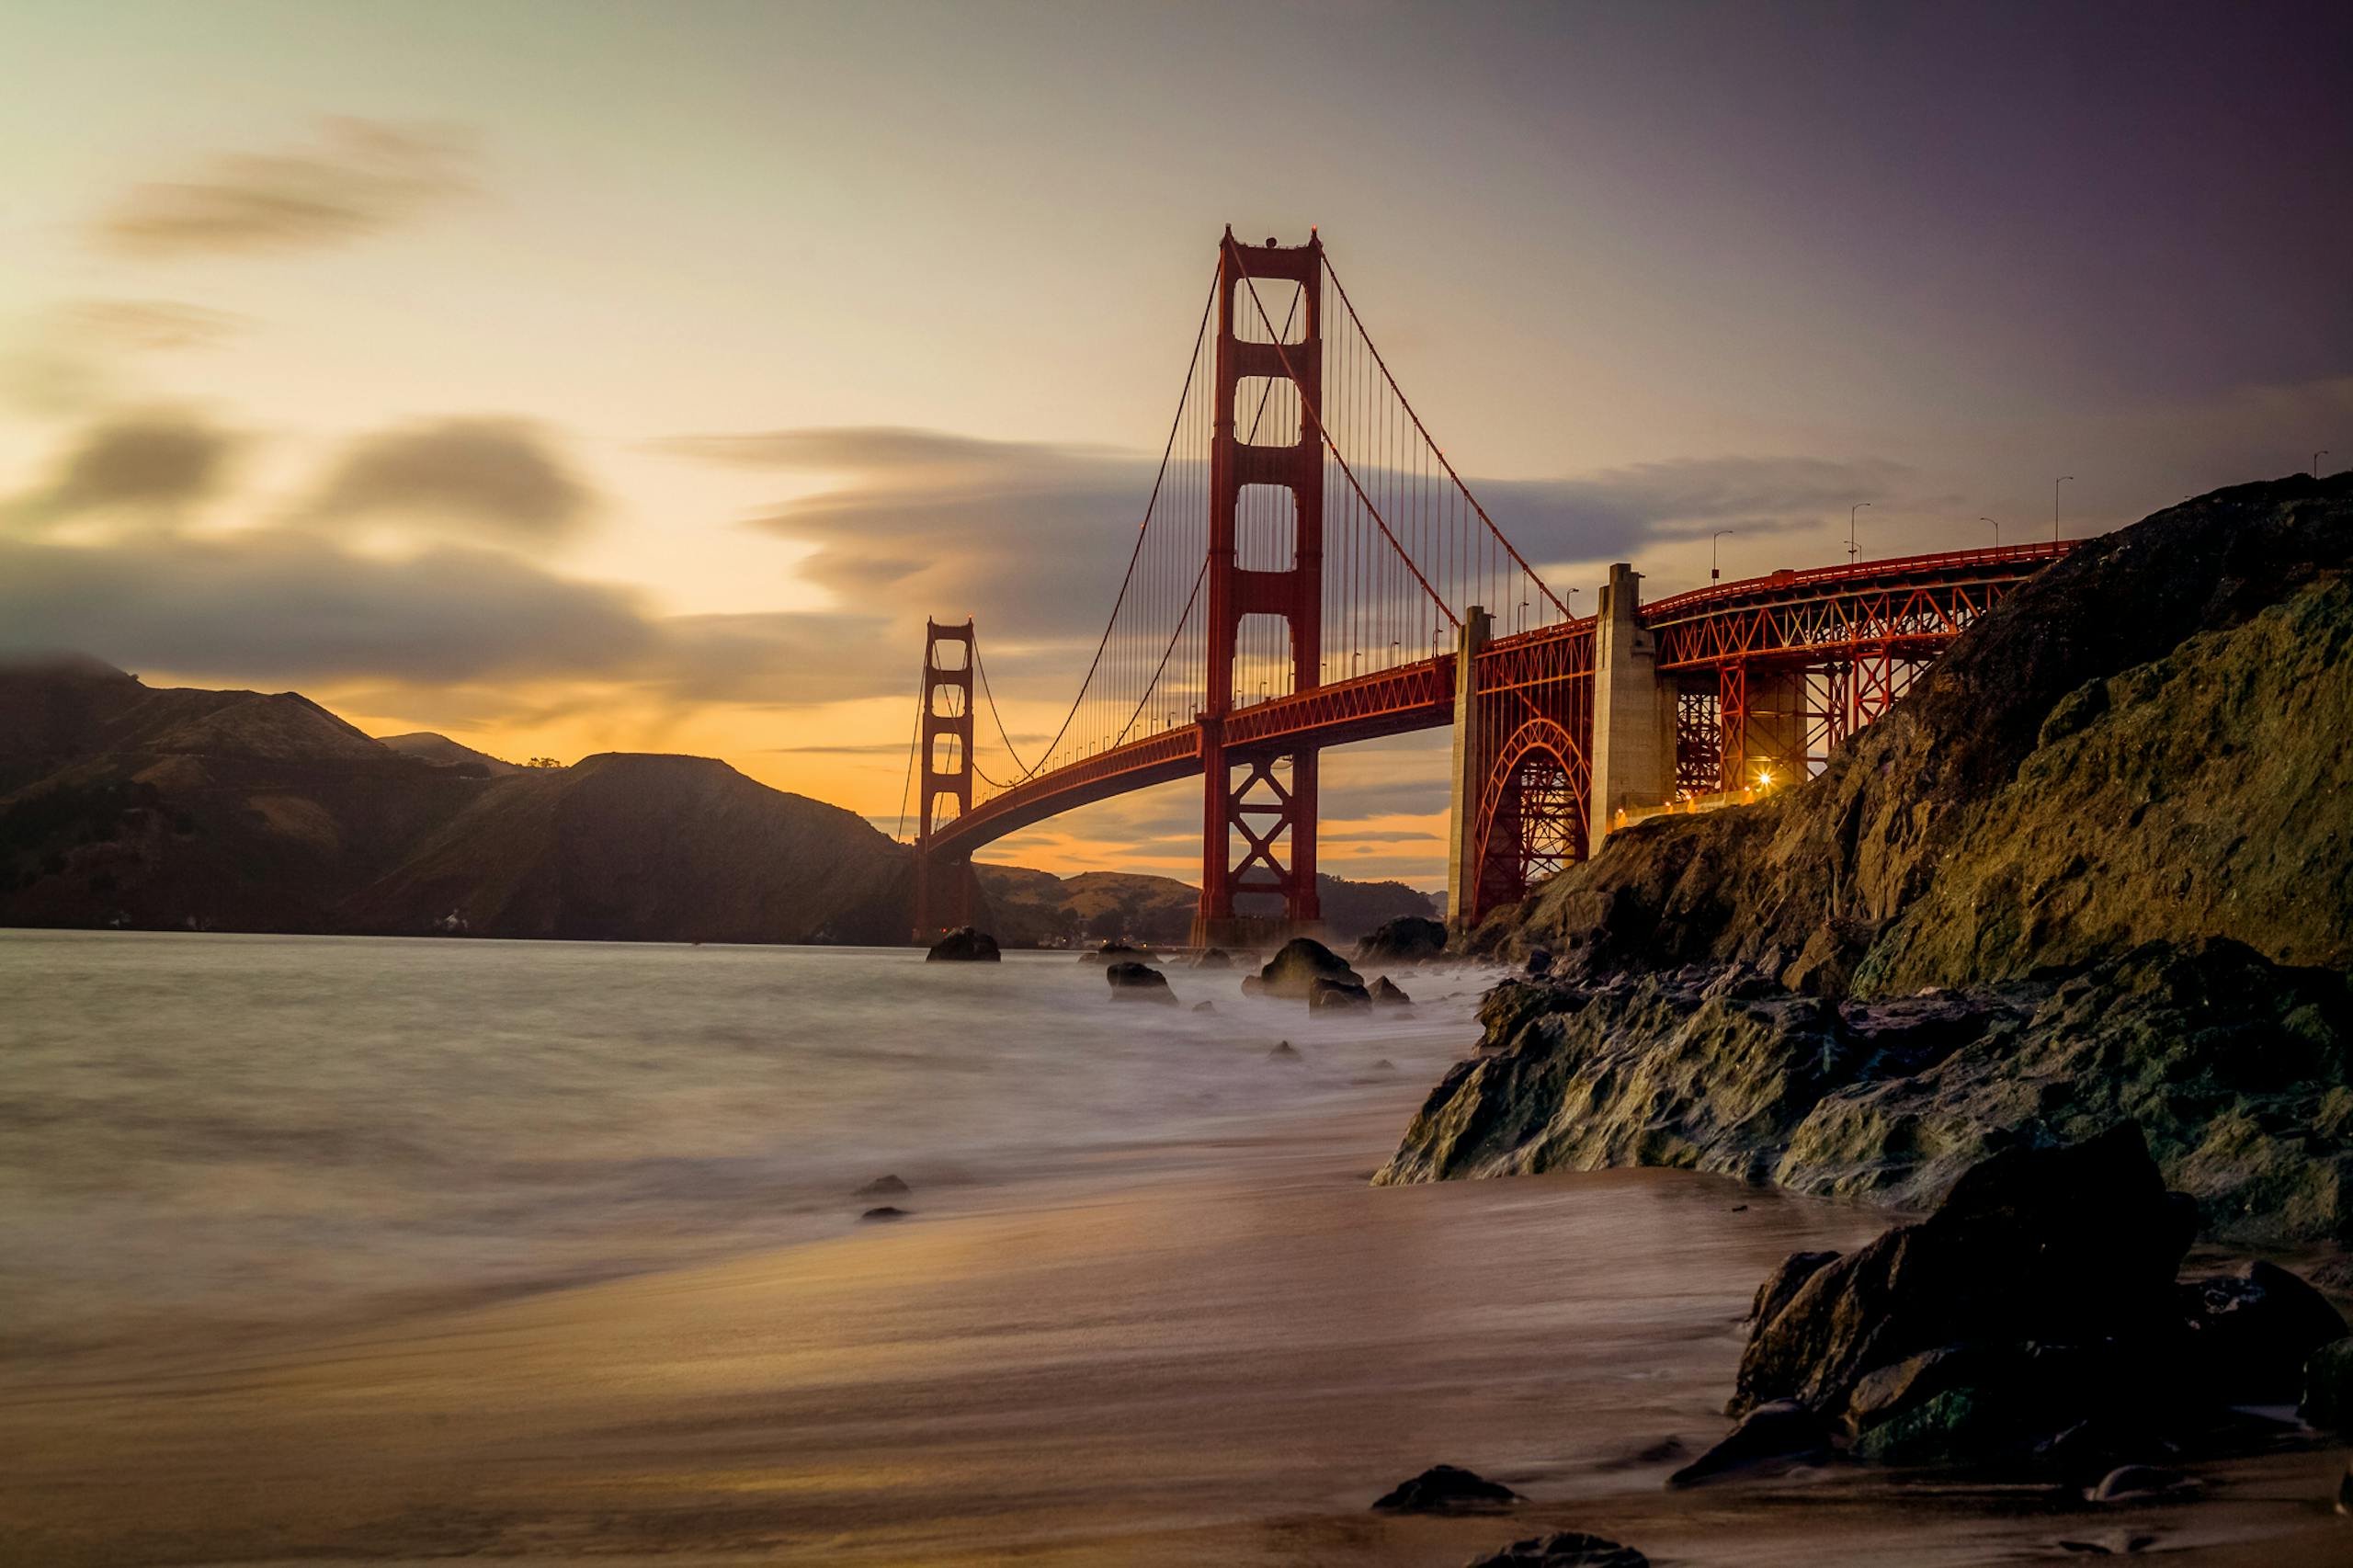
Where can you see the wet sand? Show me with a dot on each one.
(1219, 1354)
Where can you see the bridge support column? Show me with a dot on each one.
(1470, 770)
(1633, 711)
(943, 890)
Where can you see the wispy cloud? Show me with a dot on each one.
(357, 177)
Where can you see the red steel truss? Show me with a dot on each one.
(1307, 560)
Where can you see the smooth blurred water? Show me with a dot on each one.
(206, 1132)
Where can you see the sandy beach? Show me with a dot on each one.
(1219, 1354)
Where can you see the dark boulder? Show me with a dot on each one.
(1213, 957)
(1448, 1489)
(964, 945)
(2327, 1397)
(886, 1212)
(1325, 994)
(1302, 962)
(2073, 1246)
(883, 1186)
(2139, 1483)
(1781, 1433)
(1113, 952)
(1205, 1006)
(1783, 1282)
(2251, 1332)
(1540, 963)
(1284, 1051)
(1563, 1549)
(1389, 993)
(1408, 938)
(1139, 982)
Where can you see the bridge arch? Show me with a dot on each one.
(1533, 812)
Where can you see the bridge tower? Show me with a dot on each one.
(944, 884)
(1265, 798)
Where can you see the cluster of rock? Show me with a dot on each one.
(2236, 1068)
(964, 945)
(1305, 969)
(2097, 869)
(2032, 1323)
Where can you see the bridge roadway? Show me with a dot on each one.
(1869, 625)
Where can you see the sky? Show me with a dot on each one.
(573, 377)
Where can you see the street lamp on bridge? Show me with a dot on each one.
(2055, 504)
(1998, 532)
(1712, 573)
(1850, 529)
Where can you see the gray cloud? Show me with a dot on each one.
(158, 461)
(495, 475)
(284, 608)
(1612, 514)
(1032, 537)
(360, 176)
(280, 607)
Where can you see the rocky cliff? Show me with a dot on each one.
(2098, 868)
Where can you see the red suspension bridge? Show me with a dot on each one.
(1310, 571)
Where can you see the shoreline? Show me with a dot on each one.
(1221, 1355)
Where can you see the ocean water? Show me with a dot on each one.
(214, 1133)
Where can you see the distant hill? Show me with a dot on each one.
(1033, 908)
(443, 752)
(166, 808)
(163, 807)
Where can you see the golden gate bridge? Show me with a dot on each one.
(1310, 571)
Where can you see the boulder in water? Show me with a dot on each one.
(1781, 1433)
(1213, 957)
(882, 1215)
(1300, 962)
(1563, 1549)
(964, 945)
(1139, 982)
(1448, 1489)
(2252, 1331)
(883, 1186)
(1408, 938)
(1326, 994)
(1284, 1051)
(1113, 952)
(2072, 1246)
(1389, 993)
(2327, 1398)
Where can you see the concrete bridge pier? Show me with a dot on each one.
(1462, 824)
(1633, 710)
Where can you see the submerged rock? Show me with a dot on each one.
(1326, 994)
(2326, 1399)
(1113, 952)
(883, 1186)
(1776, 1435)
(1284, 1051)
(1448, 1489)
(1139, 982)
(1205, 1006)
(886, 1212)
(1389, 993)
(1563, 1549)
(1299, 963)
(1213, 957)
(2139, 1484)
(1407, 938)
(964, 945)
(2252, 1331)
